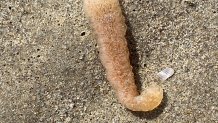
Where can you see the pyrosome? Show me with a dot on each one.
(109, 25)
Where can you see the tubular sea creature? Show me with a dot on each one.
(109, 25)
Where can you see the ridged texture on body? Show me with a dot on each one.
(109, 25)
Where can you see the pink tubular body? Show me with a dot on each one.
(109, 25)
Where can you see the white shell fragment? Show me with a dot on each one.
(165, 74)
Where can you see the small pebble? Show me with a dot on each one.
(165, 73)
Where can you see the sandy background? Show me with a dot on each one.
(50, 70)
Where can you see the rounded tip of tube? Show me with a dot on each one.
(154, 95)
(149, 99)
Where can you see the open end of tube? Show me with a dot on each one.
(148, 100)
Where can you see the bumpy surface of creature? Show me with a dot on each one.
(109, 25)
